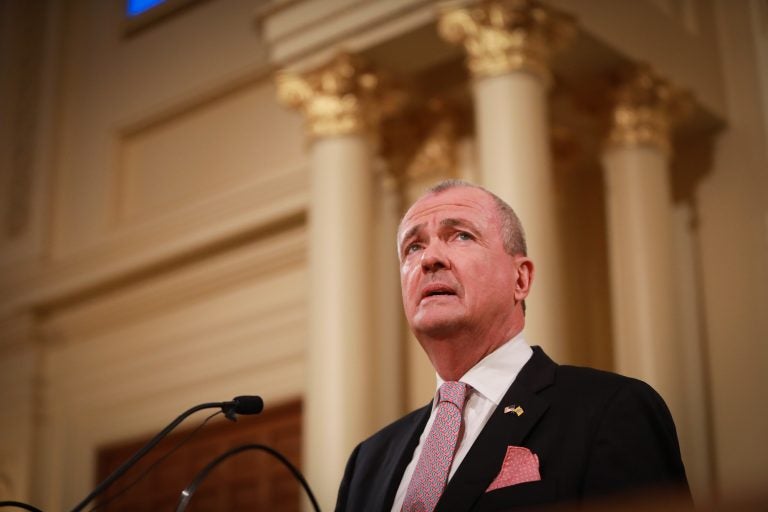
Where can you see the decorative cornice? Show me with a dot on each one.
(421, 143)
(340, 98)
(502, 36)
(646, 108)
(437, 152)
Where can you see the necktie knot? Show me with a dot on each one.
(453, 392)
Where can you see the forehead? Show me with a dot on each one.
(460, 202)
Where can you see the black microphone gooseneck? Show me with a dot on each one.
(186, 494)
(20, 505)
(238, 405)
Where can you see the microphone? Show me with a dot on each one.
(239, 405)
(186, 494)
(242, 405)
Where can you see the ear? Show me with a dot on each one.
(525, 272)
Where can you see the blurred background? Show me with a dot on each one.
(199, 199)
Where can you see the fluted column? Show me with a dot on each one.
(337, 101)
(509, 45)
(652, 257)
(639, 210)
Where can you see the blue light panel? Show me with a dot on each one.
(136, 7)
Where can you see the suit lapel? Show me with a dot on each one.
(400, 454)
(484, 459)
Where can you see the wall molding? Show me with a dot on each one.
(156, 246)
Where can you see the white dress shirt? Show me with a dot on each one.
(488, 380)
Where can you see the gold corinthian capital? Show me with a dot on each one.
(339, 98)
(646, 108)
(501, 36)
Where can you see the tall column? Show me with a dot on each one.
(509, 45)
(652, 257)
(337, 102)
(639, 211)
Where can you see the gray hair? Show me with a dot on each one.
(511, 228)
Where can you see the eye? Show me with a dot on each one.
(463, 235)
(411, 248)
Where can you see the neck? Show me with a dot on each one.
(453, 356)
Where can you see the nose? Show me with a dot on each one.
(434, 258)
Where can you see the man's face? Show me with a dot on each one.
(454, 271)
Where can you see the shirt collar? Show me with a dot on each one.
(495, 373)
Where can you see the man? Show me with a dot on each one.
(508, 428)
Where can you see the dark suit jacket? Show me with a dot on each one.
(595, 433)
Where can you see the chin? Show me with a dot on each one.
(437, 327)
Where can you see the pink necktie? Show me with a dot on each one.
(431, 474)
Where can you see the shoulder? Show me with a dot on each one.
(594, 397)
(378, 459)
(391, 440)
(622, 419)
(542, 373)
(600, 393)
(605, 387)
(626, 409)
(599, 382)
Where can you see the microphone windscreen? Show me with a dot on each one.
(248, 404)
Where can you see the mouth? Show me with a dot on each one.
(437, 290)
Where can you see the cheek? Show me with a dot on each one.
(406, 272)
(504, 284)
(405, 279)
(408, 282)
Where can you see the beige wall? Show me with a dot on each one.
(734, 260)
(170, 261)
(163, 259)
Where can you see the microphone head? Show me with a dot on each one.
(248, 404)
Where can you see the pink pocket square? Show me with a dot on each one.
(520, 465)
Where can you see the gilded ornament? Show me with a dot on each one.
(420, 144)
(503, 36)
(647, 106)
(340, 98)
(437, 152)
